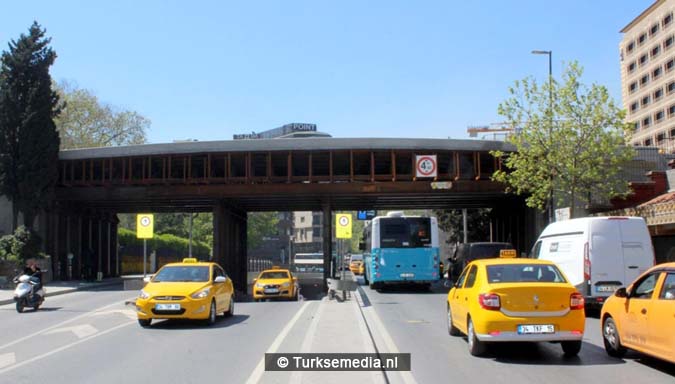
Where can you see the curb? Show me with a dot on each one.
(67, 290)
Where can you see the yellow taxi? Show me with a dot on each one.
(515, 300)
(187, 290)
(275, 283)
(362, 269)
(641, 317)
(355, 266)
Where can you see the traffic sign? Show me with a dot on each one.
(426, 166)
(343, 226)
(365, 215)
(144, 226)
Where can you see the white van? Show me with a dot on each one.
(597, 254)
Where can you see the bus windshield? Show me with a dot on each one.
(405, 232)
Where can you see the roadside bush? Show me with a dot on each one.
(168, 248)
(20, 246)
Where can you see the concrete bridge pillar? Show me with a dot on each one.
(229, 242)
(327, 241)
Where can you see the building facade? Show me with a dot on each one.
(647, 54)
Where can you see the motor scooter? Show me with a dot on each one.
(25, 294)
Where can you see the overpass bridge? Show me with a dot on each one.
(231, 178)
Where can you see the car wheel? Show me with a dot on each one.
(610, 336)
(144, 322)
(212, 314)
(476, 347)
(571, 348)
(452, 330)
(230, 311)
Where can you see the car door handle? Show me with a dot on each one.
(632, 267)
(644, 311)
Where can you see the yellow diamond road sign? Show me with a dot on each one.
(144, 225)
(343, 226)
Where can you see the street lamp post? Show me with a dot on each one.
(550, 127)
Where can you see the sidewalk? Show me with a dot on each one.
(60, 287)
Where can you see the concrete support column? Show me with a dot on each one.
(229, 243)
(327, 241)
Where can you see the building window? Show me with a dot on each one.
(631, 67)
(630, 47)
(670, 64)
(658, 94)
(644, 80)
(655, 51)
(645, 100)
(646, 122)
(656, 72)
(653, 30)
(634, 107)
(672, 132)
(642, 38)
(667, 20)
(632, 87)
(671, 87)
(668, 43)
(671, 111)
(658, 116)
(643, 60)
(660, 137)
(648, 142)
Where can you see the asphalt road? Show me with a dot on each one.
(93, 337)
(416, 322)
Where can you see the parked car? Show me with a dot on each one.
(640, 317)
(597, 254)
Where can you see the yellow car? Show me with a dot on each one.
(640, 317)
(355, 267)
(187, 290)
(275, 283)
(514, 300)
(362, 269)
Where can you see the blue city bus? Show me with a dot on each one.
(401, 249)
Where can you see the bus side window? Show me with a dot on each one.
(535, 250)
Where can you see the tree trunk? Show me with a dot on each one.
(29, 218)
(15, 216)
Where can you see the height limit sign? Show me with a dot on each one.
(426, 166)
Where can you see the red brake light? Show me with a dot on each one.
(576, 301)
(489, 301)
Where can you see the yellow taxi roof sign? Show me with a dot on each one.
(276, 267)
(189, 260)
(507, 253)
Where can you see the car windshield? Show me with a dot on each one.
(356, 258)
(274, 275)
(182, 274)
(523, 273)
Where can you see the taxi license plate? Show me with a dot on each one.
(271, 290)
(535, 329)
(606, 288)
(167, 307)
(407, 275)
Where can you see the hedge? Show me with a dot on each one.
(165, 245)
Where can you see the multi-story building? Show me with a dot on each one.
(648, 76)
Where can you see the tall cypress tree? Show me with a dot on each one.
(29, 142)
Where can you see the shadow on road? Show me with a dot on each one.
(651, 362)
(221, 322)
(548, 354)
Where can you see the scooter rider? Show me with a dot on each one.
(35, 274)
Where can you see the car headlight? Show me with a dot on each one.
(286, 284)
(201, 294)
(144, 295)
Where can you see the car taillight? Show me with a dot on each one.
(489, 301)
(587, 264)
(576, 301)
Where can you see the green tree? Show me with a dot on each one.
(86, 122)
(260, 224)
(29, 142)
(477, 223)
(20, 246)
(572, 146)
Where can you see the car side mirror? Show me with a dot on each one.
(220, 279)
(147, 279)
(621, 292)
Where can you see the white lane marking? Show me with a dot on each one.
(57, 325)
(126, 312)
(296, 376)
(377, 327)
(81, 331)
(375, 376)
(67, 346)
(257, 373)
(7, 359)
